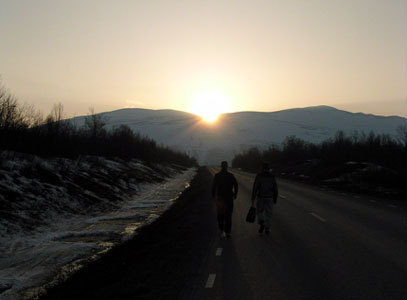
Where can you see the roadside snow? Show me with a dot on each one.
(53, 224)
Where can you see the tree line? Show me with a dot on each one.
(359, 161)
(381, 149)
(24, 129)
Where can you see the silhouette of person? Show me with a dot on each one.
(265, 190)
(224, 191)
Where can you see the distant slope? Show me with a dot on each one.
(235, 132)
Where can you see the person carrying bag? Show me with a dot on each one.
(265, 191)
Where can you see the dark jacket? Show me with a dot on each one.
(224, 185)
(265, 186)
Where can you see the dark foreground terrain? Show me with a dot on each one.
(163, 259)
(323, 244)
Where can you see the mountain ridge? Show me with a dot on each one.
(237, 131)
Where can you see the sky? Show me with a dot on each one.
(247, 55)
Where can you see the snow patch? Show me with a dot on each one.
(55, 220)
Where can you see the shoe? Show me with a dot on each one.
(222, 234)
(261, 229)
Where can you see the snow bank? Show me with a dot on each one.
(59, 214)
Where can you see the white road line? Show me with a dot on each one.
(219, 251)
(373, 201)
(392, 206)
(284, 197)
(356, 197)
(211, 281)
(318, 217)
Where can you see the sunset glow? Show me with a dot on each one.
(262, 55)
(209, 105)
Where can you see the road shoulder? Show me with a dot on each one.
(161, 262)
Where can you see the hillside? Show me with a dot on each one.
(59, 214)
(235, 132)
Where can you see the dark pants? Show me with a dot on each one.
(224, 208)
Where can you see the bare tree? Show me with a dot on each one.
(56, 114)
(402, 133)
(10, 114)
(54, 120)
(95, 123)
(32, 116)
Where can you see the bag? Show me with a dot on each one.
(251, 215)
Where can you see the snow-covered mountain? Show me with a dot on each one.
(234, 132)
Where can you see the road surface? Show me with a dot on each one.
(323, 245)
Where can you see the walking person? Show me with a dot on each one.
(224, 191)
(265, 190)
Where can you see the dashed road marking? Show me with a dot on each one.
(392, 206)
(373, 201)
(284, 197)
(219, 251)
(356, 197)
(318, 217)
(211, 281)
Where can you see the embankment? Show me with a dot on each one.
(161, 262)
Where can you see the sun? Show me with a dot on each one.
(209, 105)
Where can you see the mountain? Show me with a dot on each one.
(235, 132)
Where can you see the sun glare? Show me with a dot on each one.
(209, 105)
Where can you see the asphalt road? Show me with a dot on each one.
(323, 245)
